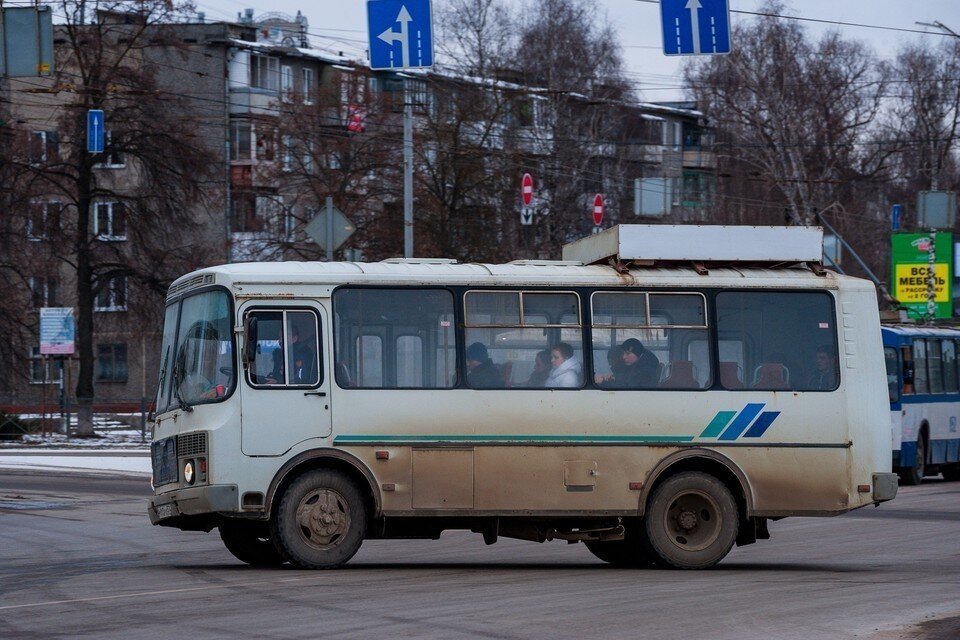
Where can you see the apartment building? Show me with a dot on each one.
(283, 125)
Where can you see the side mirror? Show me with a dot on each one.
(250, 349)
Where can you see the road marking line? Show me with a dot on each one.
(678, 35)
(147, 593)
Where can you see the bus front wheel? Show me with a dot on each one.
(250, 542)
(321, 520)
(692, 521)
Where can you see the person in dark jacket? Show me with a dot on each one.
(481, 372)
(641, 368)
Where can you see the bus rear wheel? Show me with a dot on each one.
(913, 476)
(249, 542)
(692, 521)
(320, 521)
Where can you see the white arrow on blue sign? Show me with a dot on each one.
(400, 34)
(95, 133)
(695, 27)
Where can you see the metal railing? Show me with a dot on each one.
(21, 417)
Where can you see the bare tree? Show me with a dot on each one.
(125, 254)
(793, 114)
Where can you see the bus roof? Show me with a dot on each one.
(902, 334)
(425, 271)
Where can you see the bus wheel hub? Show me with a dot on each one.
(687, 520)
(323, 518)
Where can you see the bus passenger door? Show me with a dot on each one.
(286, 386)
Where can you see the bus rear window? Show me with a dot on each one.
(785, 340)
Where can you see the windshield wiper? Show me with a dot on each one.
(176, 390)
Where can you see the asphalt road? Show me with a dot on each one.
(78, 558)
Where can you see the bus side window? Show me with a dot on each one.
(934, 366)
(906, 355)
(949, 366)
(893, 373)
(920, 366)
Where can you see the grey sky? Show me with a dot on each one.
(340, 25)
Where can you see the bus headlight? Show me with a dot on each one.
(188, 472)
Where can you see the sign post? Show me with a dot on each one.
(400, 33)
(922, 265)
(695, 27)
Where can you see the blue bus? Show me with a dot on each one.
(924, 385)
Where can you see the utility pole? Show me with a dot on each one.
(407, 171)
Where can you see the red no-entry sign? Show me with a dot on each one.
(597, 209)
(526, 189)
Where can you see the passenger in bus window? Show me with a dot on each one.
(481, 372)
(825, 376)
(565, 372)
(615, 362)
(541, 369)
(276, 375)
(641, 368)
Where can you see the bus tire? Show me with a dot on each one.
(691, 521)
(249, 542)
(320, 521)
(633, 551)
(912, 476)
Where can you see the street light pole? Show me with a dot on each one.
(407, 171)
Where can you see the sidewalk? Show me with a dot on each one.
(107, 461)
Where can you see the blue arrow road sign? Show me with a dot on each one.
(400, 34)
(695, 27)
(95, 131)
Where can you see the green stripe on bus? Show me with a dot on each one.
(717, 424)
(348, 439)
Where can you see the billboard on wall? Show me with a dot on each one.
(911, 269)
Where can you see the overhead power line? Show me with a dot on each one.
(840, 23)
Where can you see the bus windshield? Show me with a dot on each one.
(197, 364)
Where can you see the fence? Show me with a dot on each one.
(58, 415)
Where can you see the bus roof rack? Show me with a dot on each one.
(420, 261)
(716, 245)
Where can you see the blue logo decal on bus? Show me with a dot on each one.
(730, 425)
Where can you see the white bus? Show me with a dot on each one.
(659, 415)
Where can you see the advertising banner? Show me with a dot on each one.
(911, 270)
(57, 330)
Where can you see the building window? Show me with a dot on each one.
(41, 217)
(45, 291)
(111, 363)
(111, 158)
(418, 94)
(110, 221)
(44, 147)
(286, 83)
(254, 212)
(308, 157)
(49, 370)
(286, 144)
(264, 72)
(241, 140)
(307, 88)
(265, 137)
(112, 295)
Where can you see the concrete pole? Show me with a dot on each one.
(407, 172)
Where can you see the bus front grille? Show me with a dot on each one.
(192, 444)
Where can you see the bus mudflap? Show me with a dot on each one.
(884, 487)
